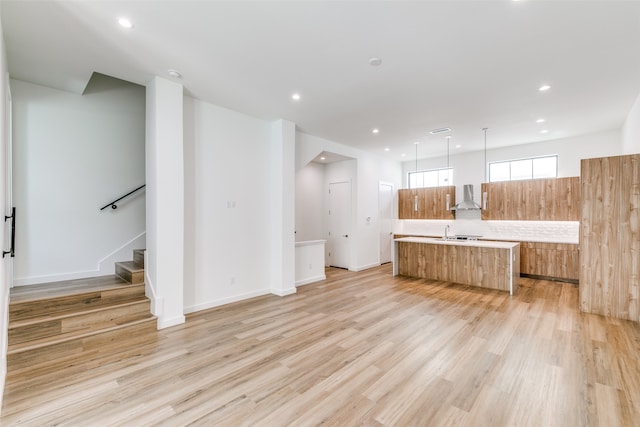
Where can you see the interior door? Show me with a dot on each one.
(339, 221)
(385, 208)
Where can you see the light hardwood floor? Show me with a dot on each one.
(357, 349)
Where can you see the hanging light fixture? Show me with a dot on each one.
(415, 198)
(484, 194)
(448, 172)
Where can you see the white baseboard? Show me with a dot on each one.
(166, 323)
(284, 292)
(35, 280)
(365, 267)
(310, 280)
(226, 300)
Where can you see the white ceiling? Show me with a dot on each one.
(459, 64)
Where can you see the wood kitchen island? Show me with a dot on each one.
(486, 264)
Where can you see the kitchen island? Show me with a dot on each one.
(486, 264)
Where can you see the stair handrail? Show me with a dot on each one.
(113, 204)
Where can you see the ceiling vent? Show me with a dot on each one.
(441, 130)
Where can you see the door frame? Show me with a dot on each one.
(380, 219)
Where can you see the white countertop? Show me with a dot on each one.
(473, 243)
(310, 242)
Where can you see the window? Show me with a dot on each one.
(532, 168)
(431, 178)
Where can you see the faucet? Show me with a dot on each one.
(446, 232)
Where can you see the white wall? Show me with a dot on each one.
(228, 190)
(310, 189)
(468, 167)
(72, 154)
(5, 262)
(631, 130)
(365, 171)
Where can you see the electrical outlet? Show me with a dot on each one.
(233, 280)
(310, 266)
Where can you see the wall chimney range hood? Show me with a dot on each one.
(467, 203)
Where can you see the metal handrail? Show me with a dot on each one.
(113, 204)
(11, 251)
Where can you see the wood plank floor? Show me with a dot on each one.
(357, 349)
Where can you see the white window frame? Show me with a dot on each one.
(438, 170)
(509, 162)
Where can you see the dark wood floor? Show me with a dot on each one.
(357, 349)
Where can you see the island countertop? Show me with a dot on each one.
(475, 243)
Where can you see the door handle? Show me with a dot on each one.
(345, 235)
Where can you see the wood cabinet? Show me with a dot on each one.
(610, 237)
(431, 202)
(553, 199)
(550, 260)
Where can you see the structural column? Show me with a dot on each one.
(165, 201)
(283, 208)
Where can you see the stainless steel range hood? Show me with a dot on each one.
(467, 203)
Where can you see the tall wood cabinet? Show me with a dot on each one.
(552, 199)
(610, 237)
(431, 203)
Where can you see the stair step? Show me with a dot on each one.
(25, 355)
(138, 257)
(130, 271)
(42, 306)
(47, 326)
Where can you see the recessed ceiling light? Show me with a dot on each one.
(323, 158)
(174, 73)
(386, 149)
(124, 22)
(544, 131)
(540, 121)
(441, 130)
(295, 97)
(375, 131)
(544, 88)
(458, 146)
(375, 62)
(402, 155)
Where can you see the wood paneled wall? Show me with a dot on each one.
(432, 203)
(552, 260)
(610, 237)
(553, 199)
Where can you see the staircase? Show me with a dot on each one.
(59, 322)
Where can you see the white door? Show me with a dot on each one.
(339, 220)
(385, 207)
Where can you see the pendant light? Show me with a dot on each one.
(484, 193)
(415, 198)
(448, 175)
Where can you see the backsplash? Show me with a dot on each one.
(525, 231)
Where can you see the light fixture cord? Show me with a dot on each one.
(485, 153)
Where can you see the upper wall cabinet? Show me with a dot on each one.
(427, 203)
(553, 199)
